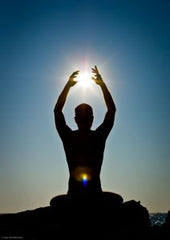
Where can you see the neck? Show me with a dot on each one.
(83, 129)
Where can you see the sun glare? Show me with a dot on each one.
(84, 79)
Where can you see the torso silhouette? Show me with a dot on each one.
(84, 151)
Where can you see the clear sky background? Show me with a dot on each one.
(41, 44)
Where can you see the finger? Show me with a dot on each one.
(95, 71)
(96, 68)
(96, 74)
(75, 75)
(76, 72)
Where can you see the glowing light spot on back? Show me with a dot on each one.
(83, 174)
(84, 179)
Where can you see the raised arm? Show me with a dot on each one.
(59, 117)
(107, 96)
(62, 98)
(111, 108)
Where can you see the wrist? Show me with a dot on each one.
(68, 84)
(102, 84)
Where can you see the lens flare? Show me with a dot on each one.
(84, 179)
(83, 175)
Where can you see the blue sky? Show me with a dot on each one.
(41, 44)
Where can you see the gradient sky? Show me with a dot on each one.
(41, 44)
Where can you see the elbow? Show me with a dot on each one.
(57, 112)
(111, 112)
(57, 109)
(112, 109)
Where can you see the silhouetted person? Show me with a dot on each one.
(84, 148)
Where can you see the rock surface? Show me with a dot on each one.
(82, 217)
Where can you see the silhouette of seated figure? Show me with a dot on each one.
(84, 148)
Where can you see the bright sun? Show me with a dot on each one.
(84, 79)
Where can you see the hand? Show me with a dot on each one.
(72, 80)
(97, 77)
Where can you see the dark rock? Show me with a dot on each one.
(167, 221)
(81, 217)
(135, 215)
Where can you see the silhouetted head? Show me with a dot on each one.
(84, 116)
